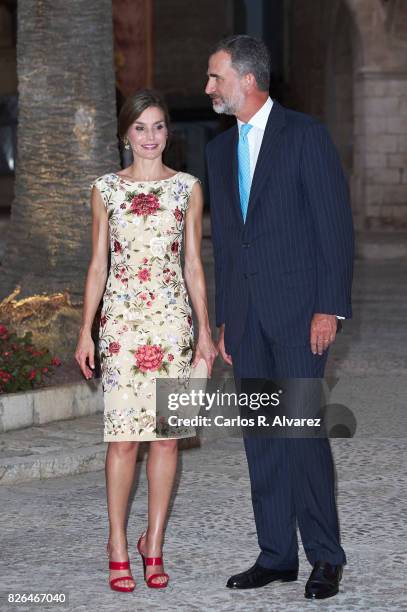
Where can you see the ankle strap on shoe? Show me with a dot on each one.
(153, 560)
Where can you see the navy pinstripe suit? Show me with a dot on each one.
(293, 257)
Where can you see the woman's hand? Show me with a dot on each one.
(205, 349)
(195, 278)
(85, 350)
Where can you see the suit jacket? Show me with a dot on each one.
(293, 256)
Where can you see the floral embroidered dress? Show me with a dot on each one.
(146, 324)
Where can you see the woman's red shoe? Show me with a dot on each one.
(120, 565)
(152, 561)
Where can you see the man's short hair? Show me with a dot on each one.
(248, 55)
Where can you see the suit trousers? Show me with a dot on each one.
(292, 479)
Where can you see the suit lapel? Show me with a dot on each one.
(275, 124)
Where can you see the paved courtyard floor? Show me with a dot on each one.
(54, 531)
(54, 534)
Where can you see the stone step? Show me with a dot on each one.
(40, 406)
(61, 448)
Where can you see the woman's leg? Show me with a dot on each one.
(161, 469)
(121, 460)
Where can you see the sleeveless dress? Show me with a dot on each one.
(146, 328)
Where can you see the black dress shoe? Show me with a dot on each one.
(324, 581)
(258, 576)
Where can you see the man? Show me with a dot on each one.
(283, 245)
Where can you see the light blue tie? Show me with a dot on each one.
(243, 156)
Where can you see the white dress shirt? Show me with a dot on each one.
(255, 136)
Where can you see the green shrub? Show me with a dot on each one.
(22, 365)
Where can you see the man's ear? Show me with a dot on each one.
(250, 81)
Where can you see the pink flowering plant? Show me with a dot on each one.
(23, 366)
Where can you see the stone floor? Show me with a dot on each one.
(54, 534)
(54, 531)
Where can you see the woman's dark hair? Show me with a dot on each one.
(137, 104)
(248, 54)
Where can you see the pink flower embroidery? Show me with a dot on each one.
(170, 357)
(117, 247)
(114, 348)
(174, 247)
(144, 275)
(144, 204)
(149, 357)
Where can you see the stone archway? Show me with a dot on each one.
(380, 84)
(324, 51)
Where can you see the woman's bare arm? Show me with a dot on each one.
(195, 277)
(95, 282)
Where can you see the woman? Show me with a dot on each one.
(143, 213)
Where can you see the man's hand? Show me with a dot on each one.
(221, 346)
(323, 332)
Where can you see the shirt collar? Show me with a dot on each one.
(259, 119)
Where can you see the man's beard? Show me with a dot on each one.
(223, 108)
(230, 106)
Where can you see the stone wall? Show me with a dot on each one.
(380, 135)
(348, 67)
(381, 148)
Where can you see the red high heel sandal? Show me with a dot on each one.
(152, 561)
(120, 565)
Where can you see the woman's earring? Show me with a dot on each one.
(126, 144)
